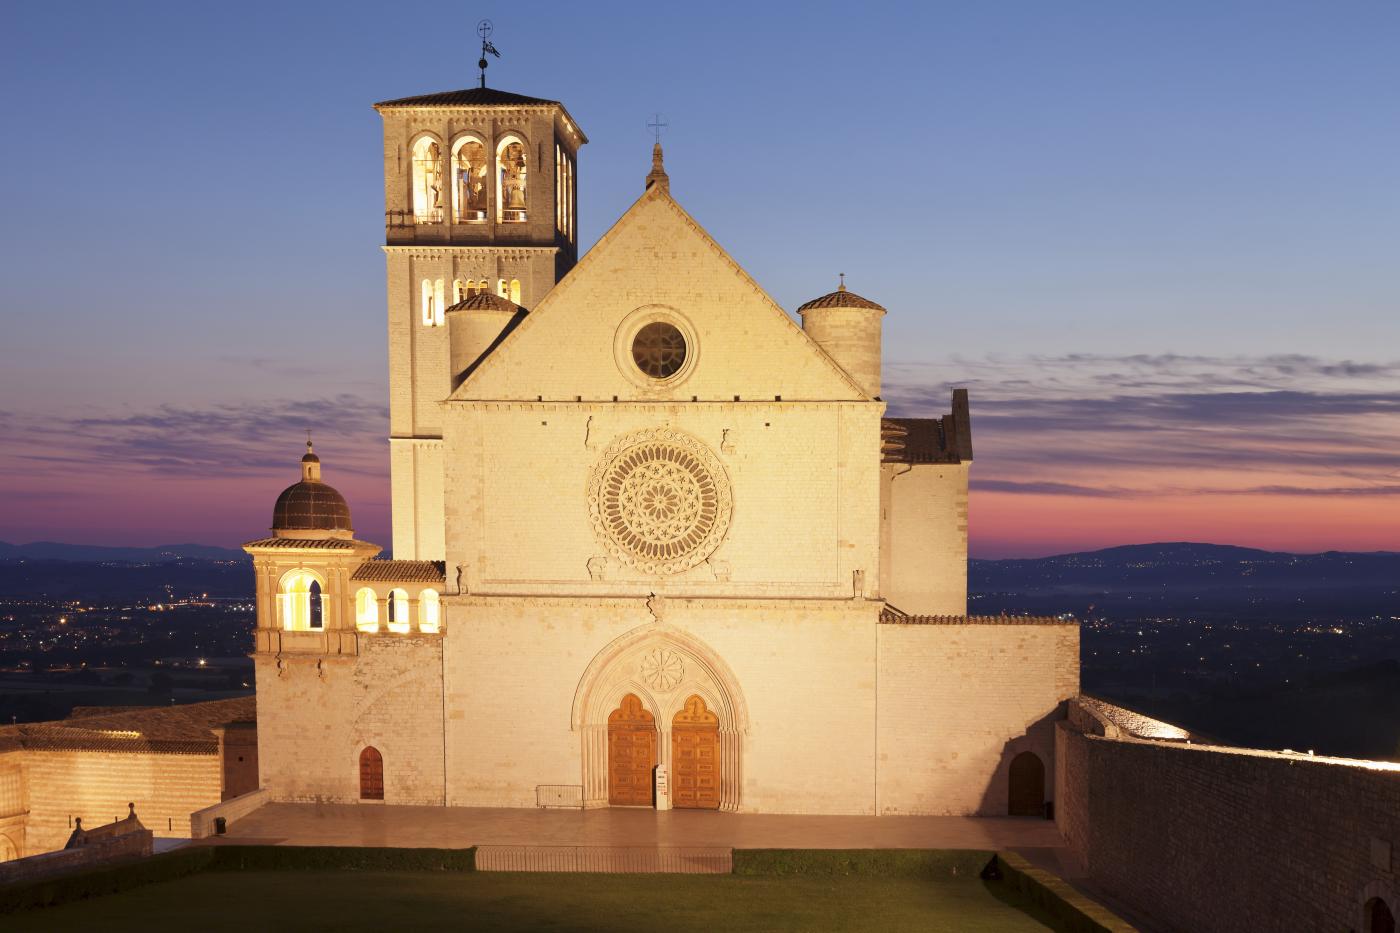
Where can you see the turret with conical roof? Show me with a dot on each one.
(848, 328)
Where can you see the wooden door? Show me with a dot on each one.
(371, 774)
(1027, 791)
(695, 757)
(631, 754)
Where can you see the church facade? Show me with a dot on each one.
(655, 541)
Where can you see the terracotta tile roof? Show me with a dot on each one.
(485, 301)
(840, 299)
(172, 730)
(334, 544)
(467, 97)
(401, 571)
(929, 440)
(892, 616)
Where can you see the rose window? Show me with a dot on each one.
(660, 501)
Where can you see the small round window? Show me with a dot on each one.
(659, 350)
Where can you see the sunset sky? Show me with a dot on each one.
(1160, 244)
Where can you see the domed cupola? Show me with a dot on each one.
(474, 325)
(311, 509)
(847, 327)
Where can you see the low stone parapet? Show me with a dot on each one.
(205, 823)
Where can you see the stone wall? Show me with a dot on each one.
(1210, 839)
(923, 553)
(315, 716)
(958, 701)
(97, 786)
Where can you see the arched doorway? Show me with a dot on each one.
(8, 850)
(695, 772)
(631, 753)
(371, 774)
(1379, 919)
(1027, 786)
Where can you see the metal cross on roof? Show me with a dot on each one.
(657, 125)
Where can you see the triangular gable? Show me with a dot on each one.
(657, 255)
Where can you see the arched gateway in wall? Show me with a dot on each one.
(662, 691)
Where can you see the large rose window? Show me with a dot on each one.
(659, 500)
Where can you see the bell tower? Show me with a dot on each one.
(479, 197)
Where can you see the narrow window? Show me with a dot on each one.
(315, 608)
(429, 311)
(459, 290)
(439, 302)
(398, 611)
(515, 290)
(367, 610)
(429, 612)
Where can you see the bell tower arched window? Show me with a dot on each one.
(470, 176)
(301, 604)
(427, 182)
(511, 181)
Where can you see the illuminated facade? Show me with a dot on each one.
(643, 518)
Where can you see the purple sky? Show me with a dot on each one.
(1159, 244)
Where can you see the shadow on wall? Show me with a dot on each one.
(1023, 783)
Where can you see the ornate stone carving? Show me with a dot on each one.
(662, 669)
(659, 500)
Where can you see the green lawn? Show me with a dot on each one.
(246, 901)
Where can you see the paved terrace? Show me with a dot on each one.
(460, 827)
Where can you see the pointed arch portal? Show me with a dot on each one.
(658, 695)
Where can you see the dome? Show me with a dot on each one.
(311, 505)
(485, 301)
(840, 299)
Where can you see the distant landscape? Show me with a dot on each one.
(1253, 647)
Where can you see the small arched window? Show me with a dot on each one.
(398, 611)
(427, 182)
(502, 288)
(367, 610)
(469, 180)
(511, 181)
(480, 287)
(515, 290)
(371, 774)
(459, 290)
(427, 303)
(300, 601)
(429, 612)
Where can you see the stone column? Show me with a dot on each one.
(595, 766)
(730, 776)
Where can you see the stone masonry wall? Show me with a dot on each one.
(313, 722)
(958, 702)
(97, 786)
(1218, 840)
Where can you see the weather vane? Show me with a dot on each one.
(484, 29)
(657, 125)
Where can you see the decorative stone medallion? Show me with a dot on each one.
(659, 500)
(662, 669)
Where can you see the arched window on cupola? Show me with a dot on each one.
(460, 289)
(301, 603)
(398, 611)
(429, 612)
(367, 610)
(427, 181)
(511, 181)
(470, 175)
(515, 290)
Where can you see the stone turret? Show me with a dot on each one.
(474, 326)
(847, 327)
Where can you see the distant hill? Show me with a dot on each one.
(1172, 577)
(90, 553)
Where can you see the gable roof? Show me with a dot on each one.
(400, 571)
(173, 730)
(655, 208)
